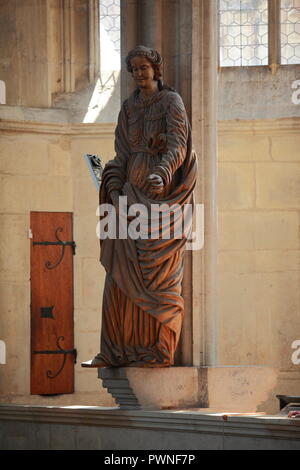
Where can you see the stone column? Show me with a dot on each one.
(129, 39)
(185, 32)
(151, 14)
(204, 125)
(165, 25)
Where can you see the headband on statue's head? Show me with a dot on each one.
(151, 54)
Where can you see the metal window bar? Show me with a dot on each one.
(274, 34)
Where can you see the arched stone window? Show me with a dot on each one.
(105, 102)
(110, 52)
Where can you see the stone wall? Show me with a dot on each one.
(89, 274)
(42, 169)
(24, 64)
(255, 93)
(59, 54)
(259, 257)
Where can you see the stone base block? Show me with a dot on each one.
(117, 384)
(228, 389)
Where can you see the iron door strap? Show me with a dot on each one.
(49, 373)
(59, 242)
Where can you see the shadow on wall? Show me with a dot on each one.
(99, 102)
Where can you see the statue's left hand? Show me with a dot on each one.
(156, 184)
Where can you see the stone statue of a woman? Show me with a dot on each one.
(154, 164)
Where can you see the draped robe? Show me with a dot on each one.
(142, 303)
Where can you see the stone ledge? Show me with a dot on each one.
(29, 427)
(189, 419)
(259, 126)
(95, 129)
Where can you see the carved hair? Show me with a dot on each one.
(152, 55)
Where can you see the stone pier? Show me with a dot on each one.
(229, 389)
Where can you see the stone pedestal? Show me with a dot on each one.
(231, 389)
(117, 384)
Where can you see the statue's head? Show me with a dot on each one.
(151, 55)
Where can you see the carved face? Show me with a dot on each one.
(142, 72)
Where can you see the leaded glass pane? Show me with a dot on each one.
(110, 21)
(290, 31)
(243, 32)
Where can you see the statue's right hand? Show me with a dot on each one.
(156, 183)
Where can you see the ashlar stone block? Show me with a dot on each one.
(14, 248)
(286, 148)
(236, 186)
(246, 147)
(265, 230)
(278, 185)
(23, 155)
(60, 157)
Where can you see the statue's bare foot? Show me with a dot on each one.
(96, 363)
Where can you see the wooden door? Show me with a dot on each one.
(52, 324)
